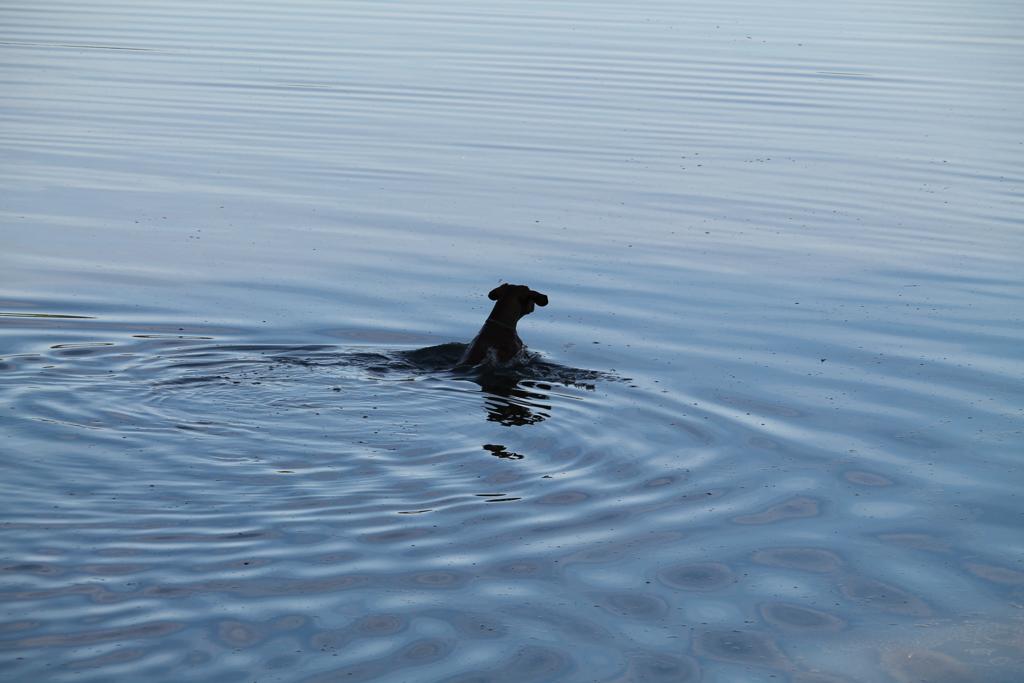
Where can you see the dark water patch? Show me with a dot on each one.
(120, 656)
(152, 629)
(816, 677)
(376, 625)
(282, 662)
(85, 347)
(601, 554)
(239, 635)
(882, 596)
(113, 569)
(19, 626)
(173, 337)
(80, 350)
(333, 639)
(185, 538)
(562, 618)
(201, 379)
(703, 576)
(917, 541)
(45, 315)
(658, 666)
(805, 559)
(740, 647)
(402, 535)
(794, 508)
(289, 622)
(866, 478)
(432, 580)
(564, 498)
(536, 663)
(94, 593)
(171, 592)
(522, 569)
(695, 431)
(659, 482)
(334, 558)
(501, 498)
(363, 671)
(263, 587)
(996, 574)
(424, 651)
(34, 568)
(471, 625)
(765, 443)
(702, 497)
(532, 663)
(633, 605)
(800, 618)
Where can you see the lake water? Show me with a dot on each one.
(773, 428)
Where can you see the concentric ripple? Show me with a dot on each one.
(769, 427)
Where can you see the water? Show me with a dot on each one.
(773, 430)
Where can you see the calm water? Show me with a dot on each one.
(774, 428)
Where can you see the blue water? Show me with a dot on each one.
(772, 429)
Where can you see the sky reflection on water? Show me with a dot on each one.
(773, 430)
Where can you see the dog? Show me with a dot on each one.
(498, 333)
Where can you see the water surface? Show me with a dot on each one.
(773, 429)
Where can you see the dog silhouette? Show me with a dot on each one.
(498, 334)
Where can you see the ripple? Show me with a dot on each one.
(661, 667)
(996, 574)
(866, 478)
(633, 605)
(152, 629)
(794, 508)
(247, 242)
(536, 663)
(805, 559)
(705, 576)
(379, 624)
(122, 656)
(236, 634)
(741, 647)
(472, 625)
(882, 596)
(917, 541)
(564, 498)
(799, 618)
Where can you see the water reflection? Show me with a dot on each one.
(500, 451)
(795, 228)
(514, 404)
(515, 394)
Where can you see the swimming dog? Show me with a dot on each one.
(512, 302)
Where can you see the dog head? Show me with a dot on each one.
(519, 298)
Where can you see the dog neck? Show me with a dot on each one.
(503, 315)
(499, 323)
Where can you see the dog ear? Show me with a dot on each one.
(538, 298)
(497, 292)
